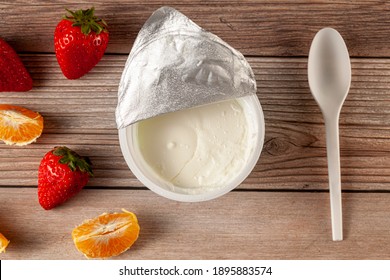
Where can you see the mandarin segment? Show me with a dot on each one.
(107, 235)
(3, 243)
(19, 126)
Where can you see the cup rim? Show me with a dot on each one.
(251, 162)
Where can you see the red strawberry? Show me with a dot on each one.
(13, 74)
(61, 175)
(80, 41)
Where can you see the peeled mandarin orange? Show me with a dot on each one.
(3, 243)
(107, 235)
(19, 126)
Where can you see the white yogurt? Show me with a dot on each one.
(199, 149)
(196, 154)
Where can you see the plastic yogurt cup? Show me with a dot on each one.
(196, 154)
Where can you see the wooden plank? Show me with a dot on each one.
(239, 225)
(262, 28)
(80, 114)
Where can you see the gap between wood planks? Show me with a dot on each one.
(242, 190)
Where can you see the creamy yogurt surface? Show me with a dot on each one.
(197, 149)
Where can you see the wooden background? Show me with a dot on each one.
(281, 211)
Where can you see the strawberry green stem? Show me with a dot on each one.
(73, 160)
(87, 21)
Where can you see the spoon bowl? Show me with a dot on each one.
(329, 76)
(329, 70)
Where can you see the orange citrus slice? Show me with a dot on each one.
(107, 235)
(19, 126)
(3, 243)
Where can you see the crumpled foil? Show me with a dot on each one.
(175, 64)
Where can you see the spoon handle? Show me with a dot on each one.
(333, 152)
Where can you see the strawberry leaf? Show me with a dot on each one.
(86, 29)
(73, 160)
(87, 21)
(59, 151)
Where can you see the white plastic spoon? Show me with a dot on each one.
(329, 75)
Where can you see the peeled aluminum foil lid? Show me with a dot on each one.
(173, 65)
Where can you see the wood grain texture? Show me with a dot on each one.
(266, 217)
(80, 114)
(258, 28)
(240, 225)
